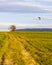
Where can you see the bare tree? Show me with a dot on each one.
(12, 27)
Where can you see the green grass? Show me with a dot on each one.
(25, 48)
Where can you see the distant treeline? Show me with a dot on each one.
(35, 29)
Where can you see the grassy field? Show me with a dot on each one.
(25, 48)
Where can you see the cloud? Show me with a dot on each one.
(35, 26)
(2, 0)
(48, 0)
(18, 25)
(23, 6)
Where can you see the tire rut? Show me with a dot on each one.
(28, 59)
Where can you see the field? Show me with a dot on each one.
(25, 48)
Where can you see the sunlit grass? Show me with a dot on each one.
(25, 48)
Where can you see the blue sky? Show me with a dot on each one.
(23, 13)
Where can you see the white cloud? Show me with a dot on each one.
(27, 25)
(9, 4)
(29, 4)
(48, 0)
(2, 0)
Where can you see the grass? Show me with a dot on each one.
(25, 48)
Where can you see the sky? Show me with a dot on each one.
(25, 13)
